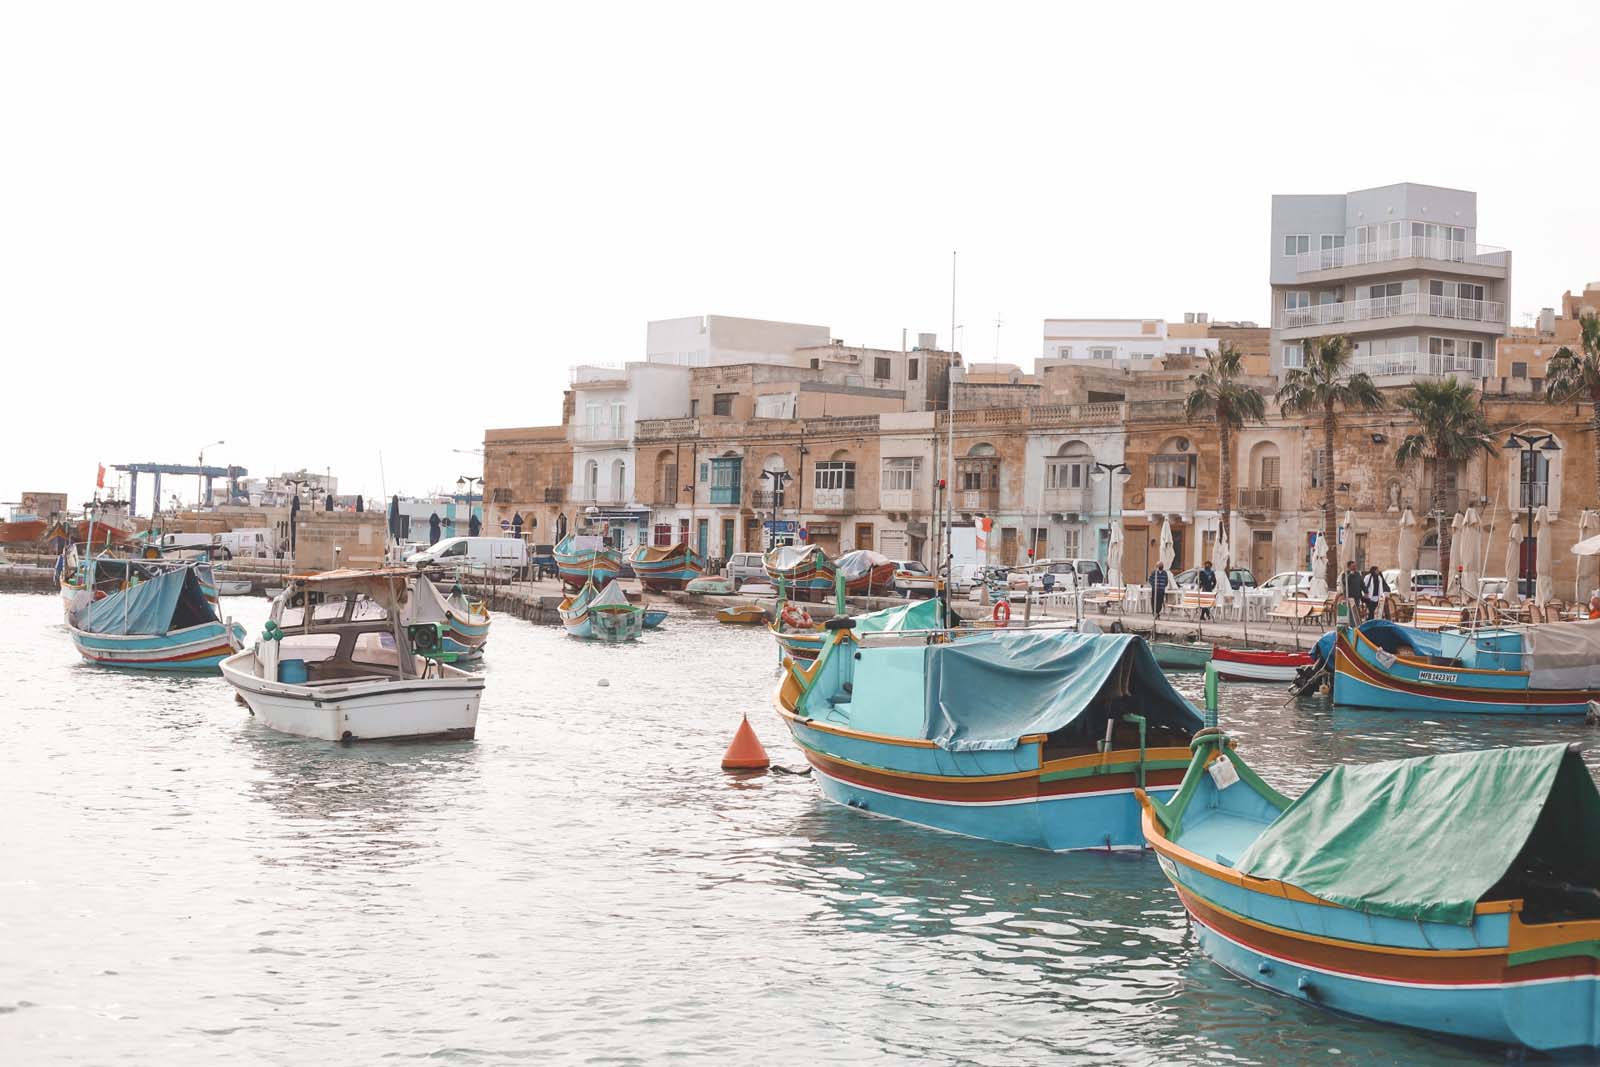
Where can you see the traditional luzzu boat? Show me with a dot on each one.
(654, 617)
(805, 571)
(148, 614)
(1258, 664)
(574, 611)
(584, 558)
(338, 662)
(1027, 738)
(797, 634)
(1548, 669)
(711, 585)
(866, 573)
(1177, 656)
(1456, 893)
(465, 621)
(612, 619)
(742, 615)
(672, 567)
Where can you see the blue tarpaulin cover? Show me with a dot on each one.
(148, 607)
(989, 692)
(1388, 636)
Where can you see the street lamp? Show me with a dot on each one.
(1104, 472)
(199, 479)
(1530, 445)
(465, 484)
(780, 478)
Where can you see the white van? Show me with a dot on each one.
(501, 554)
(254, 543)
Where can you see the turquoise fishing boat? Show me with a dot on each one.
(574, 611)
(149, 615)
(1176, 656)
(463, 621)
(1456, 893)
(664, 568)
(583, 558)
(1549, 669)
(1027, 738)
(805, 571)
(612, 618)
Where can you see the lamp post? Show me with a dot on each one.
(465, 484)
(1105, 472)
(1529, 445)
(199, 479)
(780, 479)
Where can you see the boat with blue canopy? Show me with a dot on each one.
(1034, 738)
(149, 614)
(1455, 893)
(804, 571)
(1547, 669)
(583, 558)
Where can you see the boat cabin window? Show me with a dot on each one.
(309, 647)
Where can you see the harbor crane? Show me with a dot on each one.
(232, 473)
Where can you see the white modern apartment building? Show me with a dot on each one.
(721, 340)
(1130, 344)
(607, 401)
(1399, 269)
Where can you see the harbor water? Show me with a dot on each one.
(582, 884)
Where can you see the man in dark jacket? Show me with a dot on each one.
(1373, 589)
(1158, 588)
(1207, 581)
(1351, 588)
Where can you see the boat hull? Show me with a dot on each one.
(464, 638)
(616, 625)
(1459, 980)
(1362, 679)
(415, 709)
(598, 566)
(1003, 796)
(673, 569)
(195, 648)
(1242, 665)
(1175, 657)
(799, 644)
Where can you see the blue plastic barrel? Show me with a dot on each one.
(292, 671)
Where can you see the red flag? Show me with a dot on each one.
(100, 479)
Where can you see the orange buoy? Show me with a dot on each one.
(745, 753)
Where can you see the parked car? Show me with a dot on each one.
(1239, 578)
(966, 576)
(911, 578)
(1289, 582)
(1425, 582)
(506, 555)
(745, 567)
(1061, 571)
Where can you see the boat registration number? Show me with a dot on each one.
(1436, 676)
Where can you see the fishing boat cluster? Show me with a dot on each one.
(1452, 893)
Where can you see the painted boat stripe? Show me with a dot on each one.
(985, 803)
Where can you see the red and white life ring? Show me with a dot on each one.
(796, 617)
(1002, 612)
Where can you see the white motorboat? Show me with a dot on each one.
(356, 665)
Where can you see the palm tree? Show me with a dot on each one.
(1216, 392)
(1450, 428)
(1576, 376)
(1322, 386)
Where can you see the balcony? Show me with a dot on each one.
(1422, 305)
(1263, 498)
(724, 494)
(600, 433)
(600, 496)
(1169, 501)
(1080, 500)
(1432, 249)
(554, 494)
(900, 499)
(767, 500)
(978, 500)
(1417, 364)
(834, 500)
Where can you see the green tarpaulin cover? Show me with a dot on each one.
(917, 615)
(1427, 838)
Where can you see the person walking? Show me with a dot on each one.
(1350, 586)
(1373, 590)
(1158, 588)
(1207, 581)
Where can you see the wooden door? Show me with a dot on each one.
(863, 535)
(1263, 561)
(1008, 546)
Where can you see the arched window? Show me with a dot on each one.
(591, 480)
(978, 477)
(619, 480)
(666, 477)
(1068, 470)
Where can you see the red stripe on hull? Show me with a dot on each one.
(1348, 661)
(978, 792)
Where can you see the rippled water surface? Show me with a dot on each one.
(582, 884)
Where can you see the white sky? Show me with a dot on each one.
(325, 230)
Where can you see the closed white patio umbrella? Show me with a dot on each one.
(1447, 582)
(1585, 521)
(1543, 585)
(1319, 567)
(1168, 552)
(1114, 557)
(1470, 552)
(1407, 551)
(1513, 593)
